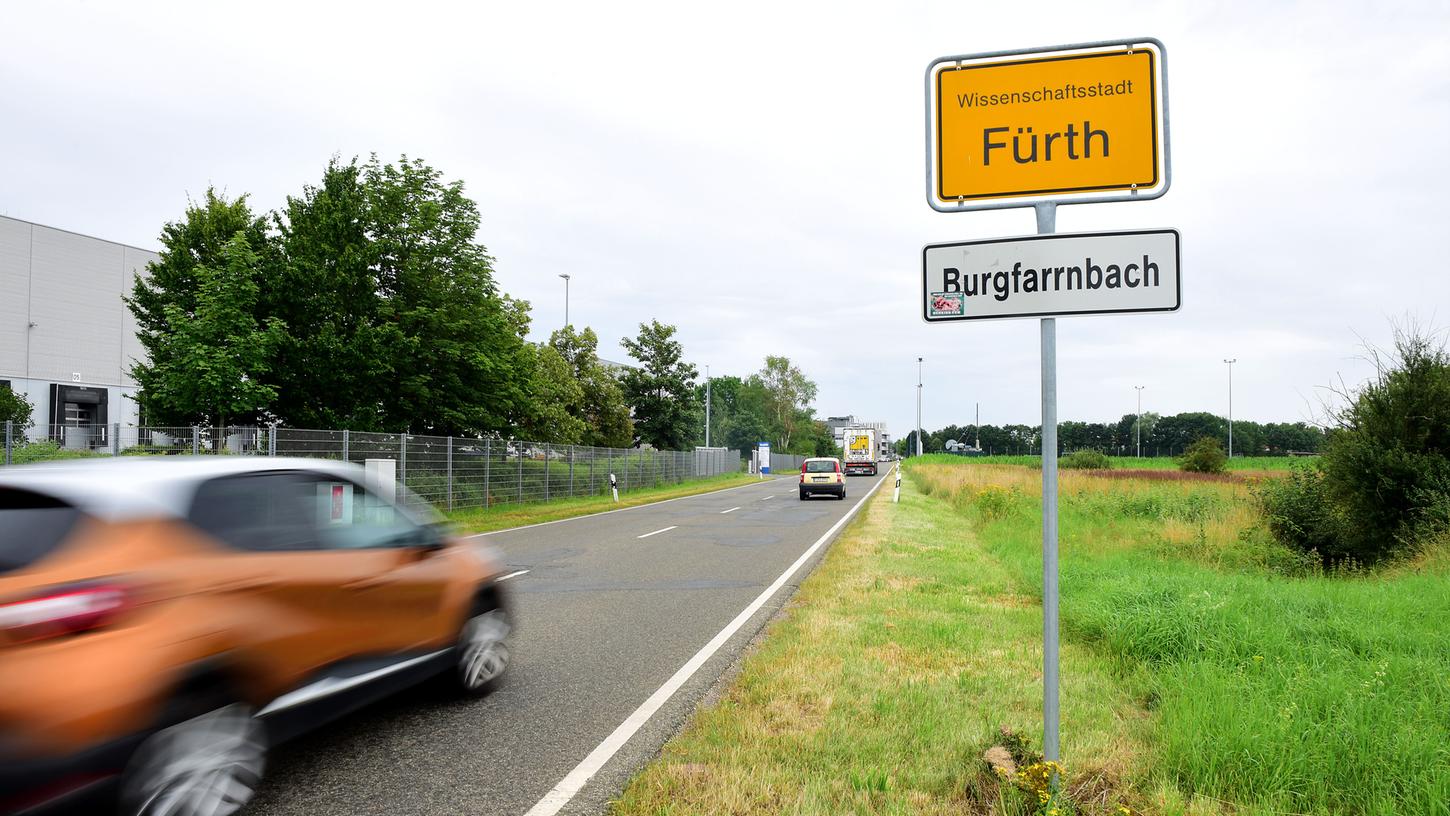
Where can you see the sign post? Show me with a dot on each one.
(763, 453)
(1039, 127)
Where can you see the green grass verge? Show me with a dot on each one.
(1247, 463)
(1205, 669)
(480, 520)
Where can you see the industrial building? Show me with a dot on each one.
(67, 340)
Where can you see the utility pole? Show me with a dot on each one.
(565, 276)
(707, 406)
(1139, 424)
(1231, 406)
(977, 427)
(918, 406)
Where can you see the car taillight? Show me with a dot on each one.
(63, 610)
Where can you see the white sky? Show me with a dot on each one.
(752, 173)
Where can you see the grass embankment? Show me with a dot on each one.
(1205, 669)
(480, 520)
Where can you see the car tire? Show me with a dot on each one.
(804, 495)
(481, 654)
(210, 762)
(841, 496)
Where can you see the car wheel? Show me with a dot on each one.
(804, 495)
(208, 764)
(482, 653)
(841, 496)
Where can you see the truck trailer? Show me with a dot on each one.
(861, 450)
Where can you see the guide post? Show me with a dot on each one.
(1047, 224)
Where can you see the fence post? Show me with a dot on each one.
(115, 439)
(195, 440)
(547, 470)
(450, 473)
(572, 449)
(487, 466)
(521, 473)
(272, 440)
(9, 438)
(346, 445)
(403, 458)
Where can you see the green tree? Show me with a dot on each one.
(661, 390)
(211, 366)
(601, 406)
(171, 283)
(449, 358)
(789, 393)
(329, 367)
(14, 408)
(554, 399)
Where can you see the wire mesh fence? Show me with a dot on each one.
(449, 472)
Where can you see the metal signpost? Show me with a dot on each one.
(1073, 124)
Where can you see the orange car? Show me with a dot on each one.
(163, 621)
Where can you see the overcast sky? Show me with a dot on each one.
(752, 173)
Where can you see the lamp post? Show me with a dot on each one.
(918, 406)
(707, 406)
(565, 276)
(1139, 424)
(1231, 406)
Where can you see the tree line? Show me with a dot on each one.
(367, 302)
(1160, 435)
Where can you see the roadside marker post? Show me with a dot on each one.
(896, 494)
(614, 487)
(1038, 127)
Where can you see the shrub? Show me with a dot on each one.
(14, 408)
(1204, 456)
(1387, 463)
(1301, 514)
(45, 450)
(1085, 460)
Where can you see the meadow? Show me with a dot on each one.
(1206, 669)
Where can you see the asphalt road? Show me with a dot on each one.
(605, 616)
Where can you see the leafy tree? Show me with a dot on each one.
(14, 408)
(661, 390)
(601, 405)
(747, 422)
(329, 367)
(171, 284)
(555, 397)
(212, 363)
(789, 392)
(454, 364)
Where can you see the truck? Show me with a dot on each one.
(861, 450)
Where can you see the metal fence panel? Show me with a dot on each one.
(448, 472)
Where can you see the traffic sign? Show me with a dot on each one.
(1052, 275)
(1010, 129)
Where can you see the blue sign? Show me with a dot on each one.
(763, 456)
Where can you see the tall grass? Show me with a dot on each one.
(1271, 685)
(1238, 463)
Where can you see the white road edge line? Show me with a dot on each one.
(620, 510)
(771, 496)
(731, 510)
(657, 532)
(513, 575)
(571, 784)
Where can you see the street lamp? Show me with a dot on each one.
(565, 276)
(1140, 420)
(918, 406)
(1231, 406)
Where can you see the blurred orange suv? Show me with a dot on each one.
(164, 621)
(822, 475)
